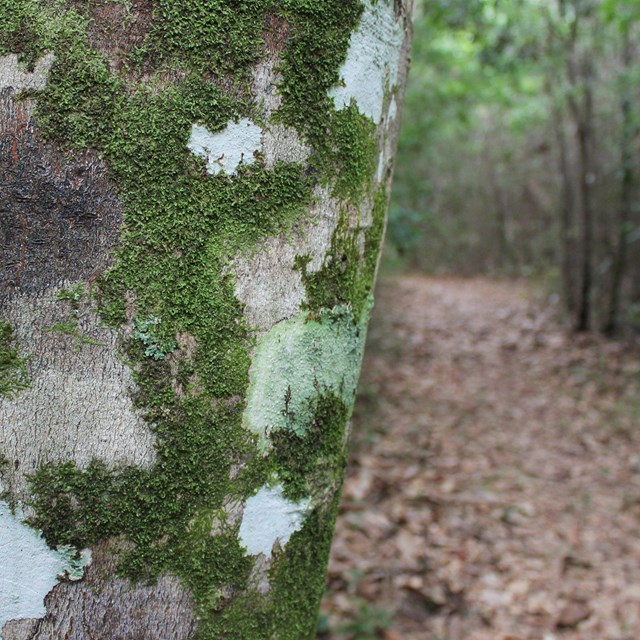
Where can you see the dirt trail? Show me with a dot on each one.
(494, 491)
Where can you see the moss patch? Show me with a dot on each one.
(310, 464)
(344, 142)
(347, 155)
(13, 367)
(213, 37)
(290, 610)
(320, 34)
(346, 276)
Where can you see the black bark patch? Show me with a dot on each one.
(59, 216)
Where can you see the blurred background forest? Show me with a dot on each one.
(520, 150)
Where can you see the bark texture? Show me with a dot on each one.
(193, 200)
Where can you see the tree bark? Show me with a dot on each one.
(567, 203)
(587, 180)
(193, 201)
(505, 249)
(580, 73)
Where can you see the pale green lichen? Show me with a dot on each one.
(155, 347)
(297, 362)
(74, 562)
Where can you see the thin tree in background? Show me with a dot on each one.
(629, 132)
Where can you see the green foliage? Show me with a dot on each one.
(370, 623)
(622, 12)
(13, 367)
(476, 115)
(519, 151)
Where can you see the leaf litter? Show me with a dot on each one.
(494, 486)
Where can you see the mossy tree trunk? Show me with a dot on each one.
(192, 204)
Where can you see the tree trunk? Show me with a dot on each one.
(587, 214)
(505, 252)
(629, 132)
(580, 74)
(193, 201)
(567, 202)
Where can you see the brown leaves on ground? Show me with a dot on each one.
(494, 490)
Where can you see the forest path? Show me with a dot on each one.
(494, 490)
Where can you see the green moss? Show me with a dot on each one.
(157, 509)
(308, 465)
(373, 238)
(23, 31)
(320, 34)
(347, 155)
(13, 367)
(346, 276)
(213, 37)
(344, 141)
(289, 612)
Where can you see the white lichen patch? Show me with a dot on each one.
(226, 150)
(78, 406)
(298, 361)
(393, 109)
(29, 569)
(381, 163)
(269, 518)
(373, 60)
(13, 75)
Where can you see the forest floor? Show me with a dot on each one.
(494, 487)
